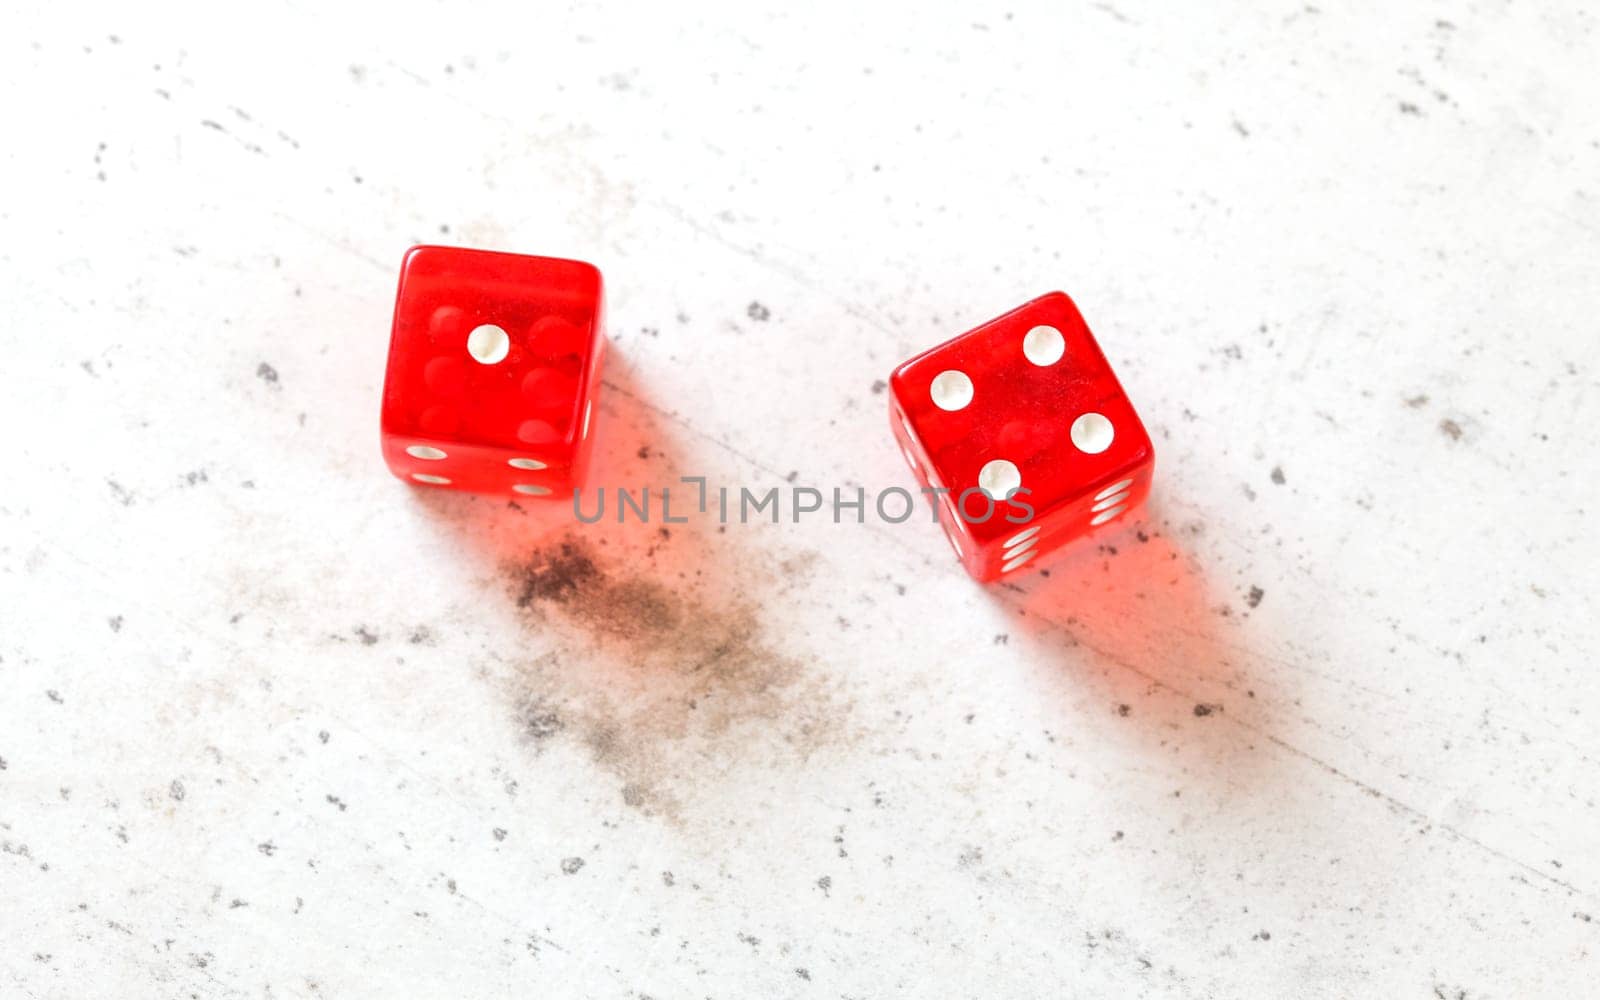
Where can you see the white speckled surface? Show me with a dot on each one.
(1323, 723)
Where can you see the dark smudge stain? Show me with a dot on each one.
(555, 575)
(657, 684)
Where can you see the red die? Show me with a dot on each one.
(1028, 403)
(494, 363)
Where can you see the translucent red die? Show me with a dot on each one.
(1022, 433)
(494, 364)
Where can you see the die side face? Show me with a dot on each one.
(493, 363)
(1025, 400)
(969, 552)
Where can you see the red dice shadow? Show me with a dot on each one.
(1132, 614)
(647, 646)
(635, 450)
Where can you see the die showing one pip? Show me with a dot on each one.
(494, 364)
(1023, 403)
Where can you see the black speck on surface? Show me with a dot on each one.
(758, 312)
(366, 635)
(176, 790)
(1450, 429)
(667, 879)
(1254, 597)
(3, 764)
(54, 696)
(1277, 474)
(337, 801)
(267, 847)
(115, 621)
(541, 721)
(803, 974)
(1202, 710)
(571, 866)
(1124, 710)
(499, 833)
(267, 373)
(324, 736)
(879, 386)
(825, 883)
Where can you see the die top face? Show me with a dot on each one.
(1024, 400)
(493, 349)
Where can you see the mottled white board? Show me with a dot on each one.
(1323, 721)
